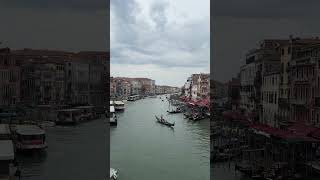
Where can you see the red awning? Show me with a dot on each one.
(297, 132)
(315, 133)
(204, 103)
(284, 134)
(301, 128)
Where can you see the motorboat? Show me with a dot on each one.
(113, 174)
(68, 116)
(119, 105)
(178, 110)
(8, 165)
(29, 137)
(113, 117)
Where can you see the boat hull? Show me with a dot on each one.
(66, 123)
(164, 123)
(27, 147)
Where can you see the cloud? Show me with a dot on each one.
(152, 32)
(158, 14)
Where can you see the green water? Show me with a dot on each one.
(142, 149)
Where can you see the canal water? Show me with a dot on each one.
(142, 149)
(74, 152)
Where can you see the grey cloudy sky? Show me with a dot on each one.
(239, 25)
(166, 40)
(54, 24)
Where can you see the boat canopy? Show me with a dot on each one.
(112, 109)
(29, 130)
(84, 107)
(6, 150)
(4, 129)
(118, 103)
(68, 110)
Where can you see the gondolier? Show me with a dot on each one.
(161, 120)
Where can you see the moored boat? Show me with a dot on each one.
(8, 165)
(86, 113)
(68, 116)
(112, 117)
(29, 137)
(178, 110)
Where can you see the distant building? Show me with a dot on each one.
(187, 87)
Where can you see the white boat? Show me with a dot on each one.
(113, 118)
(5, 133)
(133, 98)
(7, 165)
(29, 137)
(68, 116)
(113, 174)
(86, 113)
(47, 124)
(111, 103)
(119, 105)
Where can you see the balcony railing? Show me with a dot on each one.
(299, 101)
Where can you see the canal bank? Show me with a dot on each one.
(143, 149)
(74, 152)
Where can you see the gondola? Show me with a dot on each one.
(164, 122)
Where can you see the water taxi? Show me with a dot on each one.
(119, 105)
(29, 137)
(113, 117)
(133, 98)
(86, 113)
(68, 116)
(8, 166)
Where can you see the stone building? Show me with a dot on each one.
(9, 79)
(269, 97)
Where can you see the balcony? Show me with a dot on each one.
(304, 61)
(302, 102)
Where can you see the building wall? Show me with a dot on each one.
(247, 93)
(269, 96)
(9, 79)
